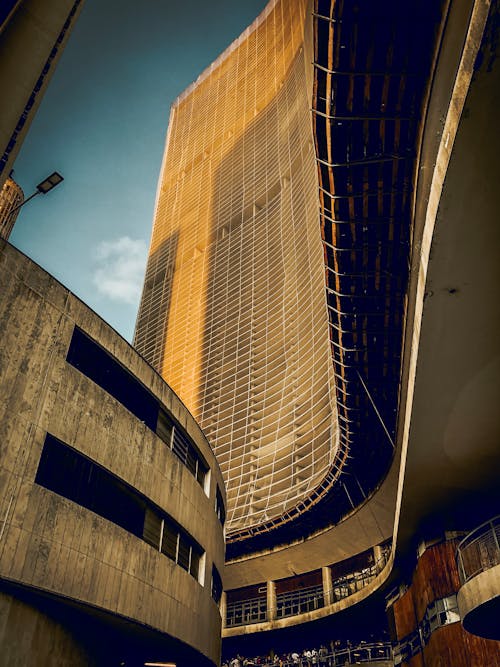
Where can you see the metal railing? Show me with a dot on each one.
(299, 602)
(440, 612)
(303, 600)
(243, 612)
(378, 652)
(347, 655)
(343, 587)
(479, 550)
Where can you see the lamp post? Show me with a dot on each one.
(8, 218)
(41, 189)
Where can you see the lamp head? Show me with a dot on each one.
(49, 183)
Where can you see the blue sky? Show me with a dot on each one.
(102, 124)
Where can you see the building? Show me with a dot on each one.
(321, 293)
(33, 34)
(316, 295)
(111, 500)
(11, 196)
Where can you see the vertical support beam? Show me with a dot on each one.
(271, 600)
(222, 607)
(327, 584)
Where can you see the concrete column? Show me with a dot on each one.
(222, 607)
(327, 584)
(271, 600)
(377, 556)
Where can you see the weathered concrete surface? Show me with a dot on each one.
(26, 43)
(479, 604)
(50, 543)
(28, 637)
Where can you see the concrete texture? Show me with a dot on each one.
(27, 61)
(52, 544)
(479, 603)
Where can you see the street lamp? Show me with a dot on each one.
(42, 188)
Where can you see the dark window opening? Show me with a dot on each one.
(97, 364)
(216, 585)
(72, 475)
(219, 507)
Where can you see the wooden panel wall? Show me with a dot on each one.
(436, 576)
(452, 645)
(404, 615)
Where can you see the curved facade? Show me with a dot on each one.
(11, 196)
(426, 614)
(381, 94)
(112, 500)
(288, 345)
(233, 311)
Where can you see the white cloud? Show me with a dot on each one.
(120, 268)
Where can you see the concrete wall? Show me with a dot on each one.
(479, 602)
(43, 640)
(52, 544)
(27, 60)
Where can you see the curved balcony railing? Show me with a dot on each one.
(479, 550)
(347, 655)
(304, 600)
(354, 655)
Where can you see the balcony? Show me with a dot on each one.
(478, 561)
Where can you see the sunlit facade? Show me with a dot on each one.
(11, 196)
(233, 311)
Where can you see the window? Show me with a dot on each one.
(102, 368)
(170, 540)
(216, 585)
(72, 475)
(219, 507)
(97, 364)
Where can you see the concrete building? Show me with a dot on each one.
(11, 196)
(321, 294)
(317, 294)
(111, 500)
(33, 34)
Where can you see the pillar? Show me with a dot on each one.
(271, 600)
(327, 584)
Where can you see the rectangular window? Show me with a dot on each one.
(164, 427)
(153, 528)
(216, 585)
(194, 567)
(170, 540)
(184, 553)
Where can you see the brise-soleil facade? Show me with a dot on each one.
(11, 197)
(274, 299)
(284, 301)
(233, 311)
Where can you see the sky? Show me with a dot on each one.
(102, 124)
